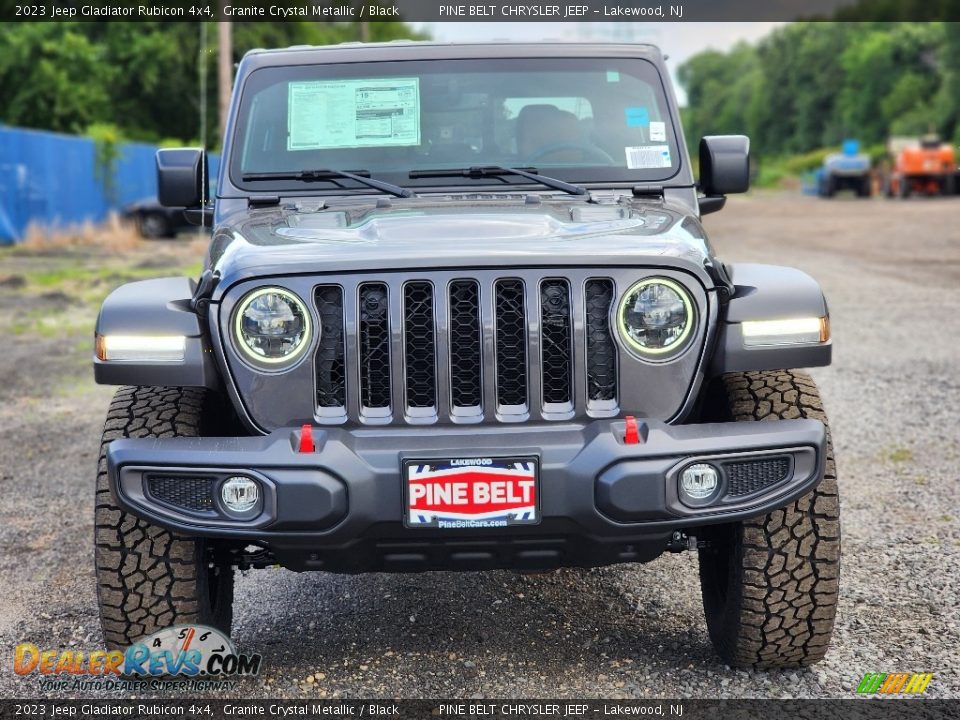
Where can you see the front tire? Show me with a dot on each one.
(154, 226)
(770, 584)
(829, 187)
(147, 577)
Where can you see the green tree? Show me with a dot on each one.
(810, 85)
(143, 77)
(719, 88)
(53, 76)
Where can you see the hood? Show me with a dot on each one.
(305, 238)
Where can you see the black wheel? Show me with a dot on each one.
(864, 188)
(829, 186)
(153, 226)
(949, 185)
(770, 585)
(147, 577)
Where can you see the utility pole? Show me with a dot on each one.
(225, 70)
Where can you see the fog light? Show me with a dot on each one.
(240, 494)
(698, 482)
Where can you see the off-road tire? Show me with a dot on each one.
(829, 186)
(888, 187)
(770, 584)
(147, 577)
(154, 226)
(949, 186)
(865, 187)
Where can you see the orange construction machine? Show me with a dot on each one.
(927, 167)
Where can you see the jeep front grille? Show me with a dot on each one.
(601, 350)
(331, 364)
(511, 344)
(455, 349)
(374, 332)
(419, 346)
(556, 343)
(466, 338)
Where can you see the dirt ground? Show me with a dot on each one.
(891, 271)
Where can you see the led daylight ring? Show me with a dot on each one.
(239, 334)
(688, 323)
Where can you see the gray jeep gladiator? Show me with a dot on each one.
(459, 312)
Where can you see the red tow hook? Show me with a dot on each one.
(306, 440)
(631, 433)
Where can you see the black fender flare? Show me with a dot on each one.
(768, 292)
(156, 307)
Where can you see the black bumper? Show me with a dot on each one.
(340, 507)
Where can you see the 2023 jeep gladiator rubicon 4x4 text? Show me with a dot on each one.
(458, 313)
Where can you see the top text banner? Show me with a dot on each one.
(454, 11)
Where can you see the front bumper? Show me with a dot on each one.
(340, 507)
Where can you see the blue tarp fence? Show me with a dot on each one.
(50, 179)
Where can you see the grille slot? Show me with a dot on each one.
(330, 364)
(466, 363)
(601, 351)
(511, 343)
(419, 345)
(374, 341)
(184, 493)
(745, 477)
(556, 342)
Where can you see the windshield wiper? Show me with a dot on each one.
(482, 171)
(360, 176)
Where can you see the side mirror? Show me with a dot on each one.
(182, 177)
(724, 165)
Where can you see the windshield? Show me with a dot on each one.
(578, 119)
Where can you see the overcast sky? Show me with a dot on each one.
(677, 40)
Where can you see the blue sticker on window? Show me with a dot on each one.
(637, 116)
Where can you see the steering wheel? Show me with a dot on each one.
(590, 152)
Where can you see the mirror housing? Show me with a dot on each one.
(724, 165)
(182, 177)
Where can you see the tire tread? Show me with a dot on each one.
(147, 577)
(788, 561)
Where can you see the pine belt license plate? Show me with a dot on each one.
(464, 493)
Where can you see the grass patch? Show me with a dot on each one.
(111, 274)
(57, 293)
(900, 455)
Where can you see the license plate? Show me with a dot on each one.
(478, 492)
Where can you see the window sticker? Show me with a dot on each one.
(613, 76)
(637, 116)
(648, 156)
(333, 114)
(658, 132)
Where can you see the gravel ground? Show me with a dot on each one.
(891, 271)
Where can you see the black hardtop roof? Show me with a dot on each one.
(428, 49)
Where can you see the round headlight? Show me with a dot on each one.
(272, 326)
(655, 317)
